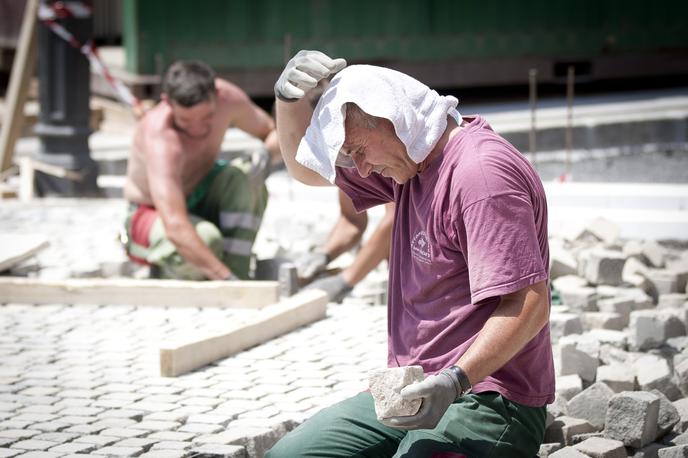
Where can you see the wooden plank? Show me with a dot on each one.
(22, 72)
(15, 248)
(27, 175)
(274, 320)
(166, 293)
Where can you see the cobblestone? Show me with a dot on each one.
(40, 454)
(173, 436)
(56, 437)
(119, 451)
(226, 451)
(74, 447)
(83, 379)
(171, 445)
(164, 454)
(123, 432)
(18, 434)
(33, 445)
(200, 428)
(97, 440)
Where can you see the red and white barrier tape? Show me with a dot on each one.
(48, 14)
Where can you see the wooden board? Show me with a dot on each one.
(15, 248)
(22, 72)
(274, 320)
(167, 293)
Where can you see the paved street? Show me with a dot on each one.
(77, 380)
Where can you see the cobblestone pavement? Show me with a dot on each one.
(84, 380)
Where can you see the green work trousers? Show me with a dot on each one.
(475, 426)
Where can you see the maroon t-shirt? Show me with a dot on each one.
(468, 229)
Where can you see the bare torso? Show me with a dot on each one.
(156, 129)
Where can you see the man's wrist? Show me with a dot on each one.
(461, 382)
(464, 384)
(279, 96)
(328, 257)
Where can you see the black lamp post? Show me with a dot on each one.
(64, 122)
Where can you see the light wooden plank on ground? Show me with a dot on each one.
(15, 248)
(22, 71)
(166, 293)
(272, 321)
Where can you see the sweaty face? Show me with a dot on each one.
(195, 121)
(378, 150)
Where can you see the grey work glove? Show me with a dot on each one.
(311, 263)
(335, 287)
(438, 393)
(303, 72)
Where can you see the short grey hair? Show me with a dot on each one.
(359, 118)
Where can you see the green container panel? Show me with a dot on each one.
(253, 34)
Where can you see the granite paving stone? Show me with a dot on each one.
(85, 429)
(33, 444)
(135, 415)
(191, 410)
(172, 445)
(19, 434)
(123, 432)
(167, 416)
(41, 454)
(220, 450)
(141, 442)
(200, 428)
(56, 437)
(97, 440)
(153, 425)
(211, 419)
(118, 451)
(177, 436)
(164, 454)
(74, 447)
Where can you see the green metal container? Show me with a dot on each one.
(443, 42)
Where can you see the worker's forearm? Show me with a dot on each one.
(513, 324)
(292, 121)
(344, 236)
(196, 252)
(271, 144)
(372, 252)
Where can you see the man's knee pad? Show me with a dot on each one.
(211, 236)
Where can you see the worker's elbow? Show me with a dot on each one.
(306, 175)
(541, 317)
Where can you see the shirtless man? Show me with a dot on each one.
(193, 216)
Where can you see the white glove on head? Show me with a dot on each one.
(303, 72)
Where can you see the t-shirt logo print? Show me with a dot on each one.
(421, 248)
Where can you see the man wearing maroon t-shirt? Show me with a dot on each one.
(468, 293)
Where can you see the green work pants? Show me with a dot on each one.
(476, 426)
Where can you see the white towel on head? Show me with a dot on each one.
(418, 113)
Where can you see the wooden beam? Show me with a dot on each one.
(166, 293)
(15, 248)
(274, 320)
(22, 72)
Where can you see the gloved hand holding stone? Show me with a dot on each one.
(303, 72)
(310, 264)
(335, 286)
(438, 393)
